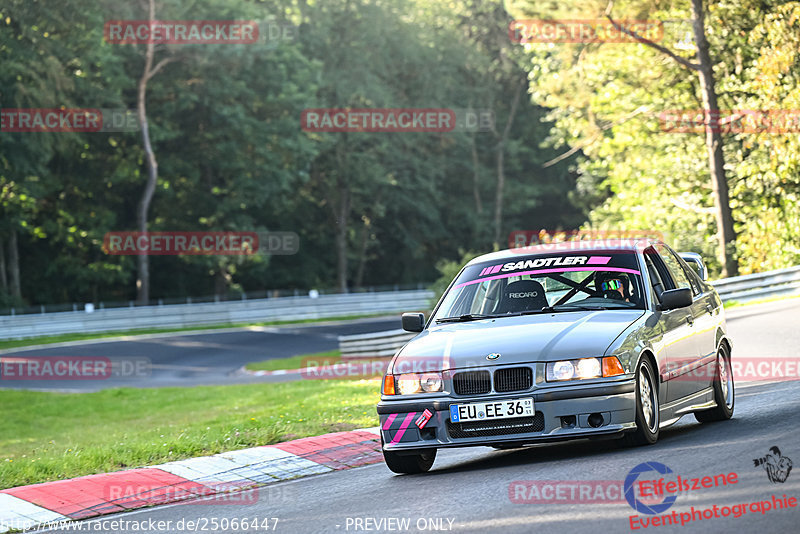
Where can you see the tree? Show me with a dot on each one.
(150, 70)
(606, 99)
(716, 160)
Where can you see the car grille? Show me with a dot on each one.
(513, 379)
(471, 383)
(501, 427)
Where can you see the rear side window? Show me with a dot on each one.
(691, 274)
(676, 272)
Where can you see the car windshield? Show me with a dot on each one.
(554, 282)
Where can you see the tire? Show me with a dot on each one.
(648, 414)
(724, 391)
(411, 464)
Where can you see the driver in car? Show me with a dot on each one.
(614, 286)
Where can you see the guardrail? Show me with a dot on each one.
(231, 312)
(373, 345)
(783, 282)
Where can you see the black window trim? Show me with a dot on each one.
(661, 268)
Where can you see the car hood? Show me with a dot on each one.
(545, 337)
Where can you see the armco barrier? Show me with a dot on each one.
(188, 315)
(373, 345)
(783, 282)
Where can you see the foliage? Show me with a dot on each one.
(380, 209)
(449, 269)
(606, 97)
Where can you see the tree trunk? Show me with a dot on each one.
(221, 283)
(143, 281)
(501, 177)
(498, 199)
(476, 192)
(143, 263)
(726, 236)
(341, 235)
(362, 259)
(15, 289)
(3, 277)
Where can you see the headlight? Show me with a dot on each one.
(560, 371)
(411, 383)
(589, 368)
(430, 382)
(583, 369)
(408, 384)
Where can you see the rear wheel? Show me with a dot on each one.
(409, 464)
(724, 394)
(647, 407)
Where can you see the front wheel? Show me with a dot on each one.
(723, 391)
(647, 407)
(410, 464)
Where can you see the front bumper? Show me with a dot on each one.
(615, 402)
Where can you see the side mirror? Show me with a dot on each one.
(695, 262)
(413, 322)
(676, 298)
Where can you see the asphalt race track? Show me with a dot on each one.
(192, 359)
(473, 490)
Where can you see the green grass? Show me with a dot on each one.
(14, 343)
(296, 362)
(52, 436)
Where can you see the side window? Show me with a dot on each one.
(679, 278)
(694, 278)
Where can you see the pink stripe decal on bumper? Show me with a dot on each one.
(389, 421)
(406, 422)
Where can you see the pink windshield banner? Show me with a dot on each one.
(545, 271)
(599, 260)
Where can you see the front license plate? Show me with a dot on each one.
(487, 411)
